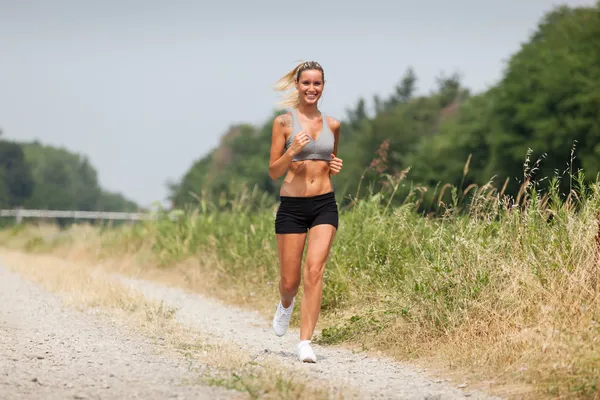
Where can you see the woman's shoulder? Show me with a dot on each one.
(284, 120)
(333, 123)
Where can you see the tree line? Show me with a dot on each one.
(37, 176)
(540, 121)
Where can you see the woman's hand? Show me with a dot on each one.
(335, 165)
(300, 140)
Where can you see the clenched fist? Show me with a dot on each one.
(300, 140)
(335, 165)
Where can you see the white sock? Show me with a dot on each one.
(286, 309)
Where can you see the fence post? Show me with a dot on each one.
(18, 216)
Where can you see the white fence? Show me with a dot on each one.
(19, 214)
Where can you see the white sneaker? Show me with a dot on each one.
(305, 352)
(281, 320)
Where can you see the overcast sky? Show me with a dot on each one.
(144, 88)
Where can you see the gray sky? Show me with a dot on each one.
(146, 87)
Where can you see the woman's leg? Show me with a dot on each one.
(291, 247)
(320, 238)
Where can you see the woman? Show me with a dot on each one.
(304, 143)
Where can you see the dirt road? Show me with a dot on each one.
(374, 377)
(49, 351)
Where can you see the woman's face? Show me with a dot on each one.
(310, 86)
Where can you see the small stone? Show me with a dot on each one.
(462, 385)
(79, 396)
(34, 380)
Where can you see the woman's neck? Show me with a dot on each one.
(309, 111)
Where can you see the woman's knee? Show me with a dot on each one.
(313, 274)
(290, 285)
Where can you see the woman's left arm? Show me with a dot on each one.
(335, 165)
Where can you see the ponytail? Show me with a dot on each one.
(287, 83)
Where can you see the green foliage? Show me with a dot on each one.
(67, 181)
(4, 194)
(110, 201)
(549, 98)
(64, 181)
(16, 183)
(44, 177)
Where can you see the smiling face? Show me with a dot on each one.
(310, 86)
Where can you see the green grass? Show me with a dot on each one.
(496, 287)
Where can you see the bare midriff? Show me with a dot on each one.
(306, 179)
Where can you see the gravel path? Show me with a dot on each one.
(50, 352)
(376, 378)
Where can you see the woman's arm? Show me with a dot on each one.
(335, 165)
(279, 161)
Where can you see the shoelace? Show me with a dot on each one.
(285, 315)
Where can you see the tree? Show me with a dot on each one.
(407, 87)
(404, 91)
(17, 182)
(67, 181)
(549, 98)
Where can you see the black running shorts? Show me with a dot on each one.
(299, 214)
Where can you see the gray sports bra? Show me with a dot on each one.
(319, 149)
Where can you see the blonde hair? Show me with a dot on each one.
(287, 83)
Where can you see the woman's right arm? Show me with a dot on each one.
(279, 161)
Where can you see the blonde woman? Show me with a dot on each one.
(304, 147)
